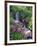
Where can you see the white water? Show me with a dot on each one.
(17, 17)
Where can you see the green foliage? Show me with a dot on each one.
(15, 36)
(11, 20)
(30, 25)
(25, 12)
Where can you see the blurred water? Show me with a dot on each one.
(17, 16)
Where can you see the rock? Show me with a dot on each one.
(26, 33)
(13, 28)
(19, 29)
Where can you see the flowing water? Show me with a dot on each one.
(17, 17)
